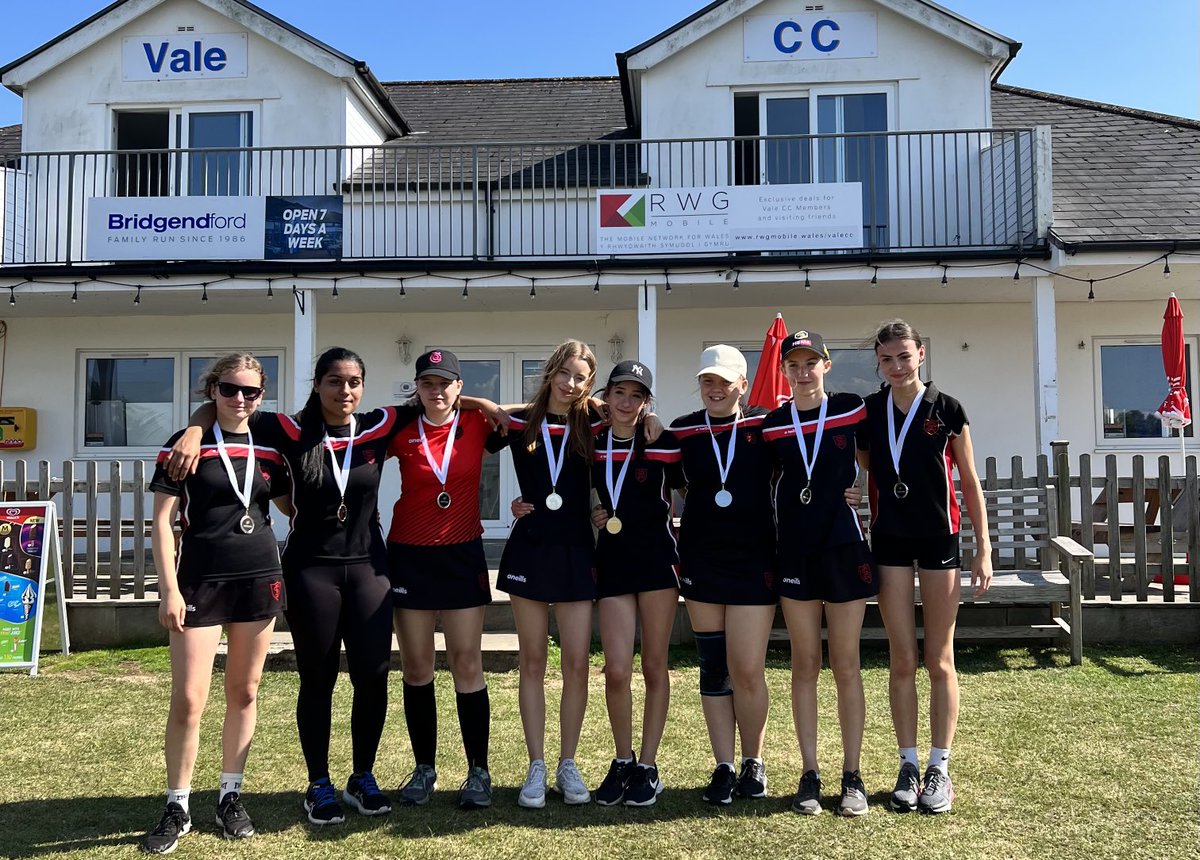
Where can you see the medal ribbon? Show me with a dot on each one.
(809, 465)
(441, 473)
(341, 472)
(555, 464)
(730, 448)
(243, 495)
(896, 443)
(614, 491)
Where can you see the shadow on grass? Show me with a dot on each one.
(84, 823)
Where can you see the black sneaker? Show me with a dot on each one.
(163, 838)
(721, 786)
(476, 790)
(232, 817)
(643, 787)
(362, 792)
(612, 789)
(808, 796)
(937, 793)
(854, 795)
(752, 783)
(908, 787)
(320, 802)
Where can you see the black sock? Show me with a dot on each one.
(420, 712)
(474, 720)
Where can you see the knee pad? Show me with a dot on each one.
(714, 666)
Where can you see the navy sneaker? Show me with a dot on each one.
(721, 786)
(362, 792)
(320, 802)
(643, 787)
(163, 838)
(612, 789)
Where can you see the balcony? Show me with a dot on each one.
(927, 193)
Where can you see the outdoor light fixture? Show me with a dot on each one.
(737, 281)
(137, 300)
(807, 282)
(1017, 273)
(335, 289)
(1091, 292)
(596, 286)
(533, 288)
(465, 293)
(12, 295)
(270, 290)
(204, 293)
(667, 278)
(945, 281)
(617, 343)
(75, 292)
(402, 293)
(404, 343)
(875, 276)
(1166, 265)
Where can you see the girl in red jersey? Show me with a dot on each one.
(824, 565)
(636, 577)
(549, 559)
(915, 437)
(226, 573)
(437, 565)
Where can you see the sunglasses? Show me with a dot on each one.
(249, 392)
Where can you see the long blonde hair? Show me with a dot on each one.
(231, 363)
(577, 416)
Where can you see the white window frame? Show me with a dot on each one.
(180, 138)
(1163, 444)
(181, 392)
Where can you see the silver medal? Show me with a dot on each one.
(554, 501)
(724, 498)
(342, 512)
(900, 491)
(805, 496)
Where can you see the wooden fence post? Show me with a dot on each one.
(91, 540)
(1191, 489)
(1062, 485)
(1140, 557)
(1087, 533)
(1166, 534)
(67, 511)
(1115, 571)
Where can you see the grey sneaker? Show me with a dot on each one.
(854, 795)
(937, 793)
(476, 790)
(808, 796)
(568, 782)
(908, 786)
(533, 792)
(419, 788)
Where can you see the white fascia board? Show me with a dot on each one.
(993, 46)
(685, 36)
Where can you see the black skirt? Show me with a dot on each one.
(548, 572)
(837, 574)
(453, 576)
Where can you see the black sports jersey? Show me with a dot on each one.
(213, 546)
(926, 466)
(645, 497)
(827, 520)
(570, 524)
(747, 526)
(316, 535)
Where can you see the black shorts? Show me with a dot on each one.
(933, 552)
(726, 578)
(548, 573)
(633, 577)
(453, 576)
(230, 601)
(838, 574)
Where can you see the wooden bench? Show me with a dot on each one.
(1032, 565)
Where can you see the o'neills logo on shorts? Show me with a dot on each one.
(515, 578)
(791, 580)
(399, 589)
(685, 580)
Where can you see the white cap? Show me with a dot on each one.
(724, 361)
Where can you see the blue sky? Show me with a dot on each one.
(1143, 55)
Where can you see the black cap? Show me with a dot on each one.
(632, 371)
(438, 362)
(809, 340)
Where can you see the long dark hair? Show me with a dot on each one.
(312, 418)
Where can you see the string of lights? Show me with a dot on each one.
(593, 275)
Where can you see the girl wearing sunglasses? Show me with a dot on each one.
(226, 573)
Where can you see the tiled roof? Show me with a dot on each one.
(1120, 174)
(10, 141)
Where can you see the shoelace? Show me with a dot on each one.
(232, 806)
(571, 778)
(854, 785)
(537, 776)
(934, 781)
(474, 781)
(367, 784)
(172, 820)
(324, 794)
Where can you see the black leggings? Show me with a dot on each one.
(329, 605)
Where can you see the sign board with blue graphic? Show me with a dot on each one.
(183, 56)
(30, 559)
(810, 36)
(304, 227)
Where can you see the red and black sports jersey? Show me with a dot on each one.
(645, 497)
(570, 524)
(316, 535)
(747, 526)
(213, 546)
(827, 520)
(416, 518)
(926, 466)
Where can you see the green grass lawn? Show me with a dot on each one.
(1050, 761)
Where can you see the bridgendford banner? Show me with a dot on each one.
(818, 216)
(214, 228)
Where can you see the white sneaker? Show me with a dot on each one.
(533, 792)
(569, 783)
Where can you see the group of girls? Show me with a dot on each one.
(769, 517)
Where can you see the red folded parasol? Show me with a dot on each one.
(1175, 411)
(770, 388)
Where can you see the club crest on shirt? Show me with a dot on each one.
(266, 475)
(840, 441)
(368, 455)
(864, 573)
(641, 474)
(932, 426)
(749, 437)
(276, 589)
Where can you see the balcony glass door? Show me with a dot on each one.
(221, 169)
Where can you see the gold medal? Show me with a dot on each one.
(613, 526)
